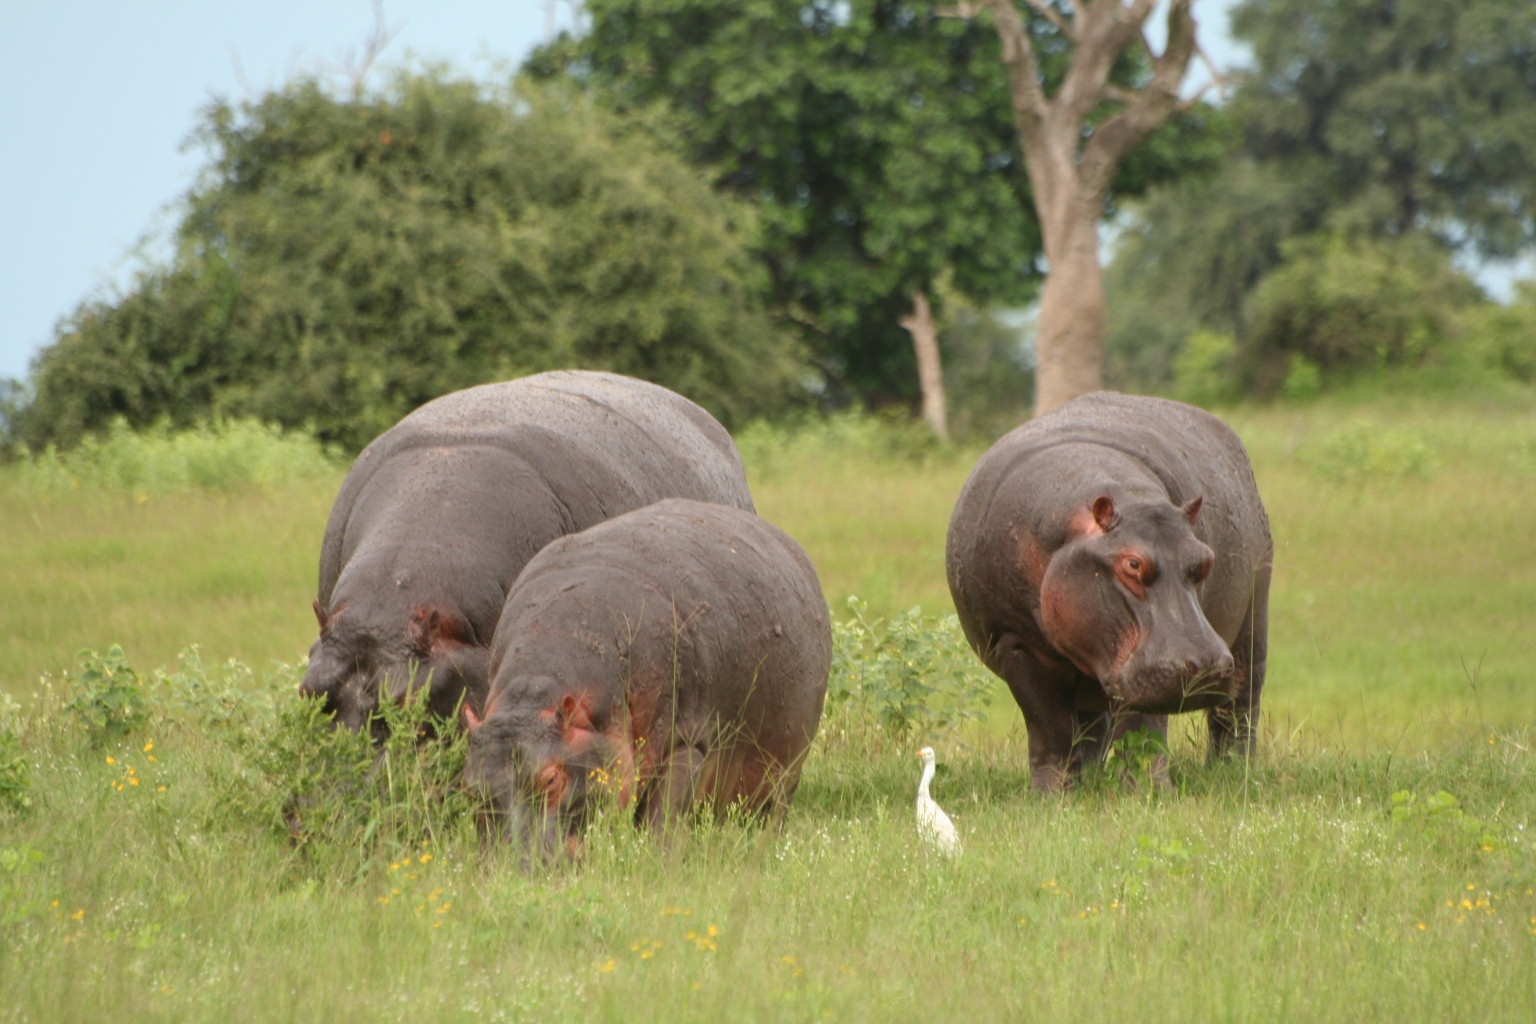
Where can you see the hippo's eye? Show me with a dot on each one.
(1134, 572)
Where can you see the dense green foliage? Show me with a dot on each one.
(342, 261)
(1362, 126)
(877, 139)
(157, 460)
(1355, 306)
(1408, 116)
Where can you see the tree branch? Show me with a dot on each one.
(1152, 106)
(1029, 102)
(1046, 11)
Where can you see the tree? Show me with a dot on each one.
(1074, 140)
(1360, 118)
(343, 260)
(1409, 115)
(868, 134)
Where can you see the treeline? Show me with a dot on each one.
(743, 200)
(1376, 151)
(345, 259)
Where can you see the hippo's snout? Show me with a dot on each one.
(1168, 686)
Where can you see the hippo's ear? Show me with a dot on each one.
(575, 718)
(433, 628)
(472, 721)
(575, 712)
(325, 616)
(1095, 520)
(1191, 508)
(1104, 515)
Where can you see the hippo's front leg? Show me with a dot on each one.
(1049, 716)
(673, 789)
(1233, 728)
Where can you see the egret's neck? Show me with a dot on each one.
(922, 786)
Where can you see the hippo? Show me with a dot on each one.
(670, 657)
(1110, 561)
(440, 513)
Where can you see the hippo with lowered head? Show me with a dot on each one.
(441, 512)
(672, 656)
(1111, 562)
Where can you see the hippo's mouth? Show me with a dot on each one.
(1169, 696)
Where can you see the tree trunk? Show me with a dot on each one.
(930, 372)
(1071, 171)
(1069, 335)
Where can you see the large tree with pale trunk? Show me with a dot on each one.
(1074, 140)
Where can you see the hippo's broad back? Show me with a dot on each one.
(1111, 563)
(439, 514)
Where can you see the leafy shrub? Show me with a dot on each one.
(334, 793)
(157, 460)
(1303, 380)
(15, 774)
(772, 449)
(1362, 451)
(1347, 305)
(911, 675)
(1439, 817)
(1204, 370)
(1503, 338)
(106, 694)
(219, 699)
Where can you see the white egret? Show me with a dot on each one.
(932, 823)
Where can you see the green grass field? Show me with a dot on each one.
(1376, 861)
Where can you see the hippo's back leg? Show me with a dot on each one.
(1234, 728)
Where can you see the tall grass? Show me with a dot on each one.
(218, 456)
(161, 875)
(181, 838)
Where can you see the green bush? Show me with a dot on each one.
(1503, 338)
(1203, 371)
(15, 773)
(343, 259)
(157, 460)
(1362, 451)
(911, 674)
(105, 694)
(1348, 306)
(770, 449)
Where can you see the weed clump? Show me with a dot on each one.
(220, 456)
(909, 675)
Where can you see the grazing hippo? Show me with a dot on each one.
(439, 514)
(671, 656)
(1111, 562)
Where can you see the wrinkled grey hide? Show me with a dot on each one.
(672, 656)
(1111, 562)
(440, 513)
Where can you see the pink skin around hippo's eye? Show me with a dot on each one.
(1134, 571)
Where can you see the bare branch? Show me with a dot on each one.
(1046, 11)
(1218, 77)
(1152, 107)
(1029, 102)
(959, 10)
(374, 44)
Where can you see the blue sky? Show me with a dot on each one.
(99, 96)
